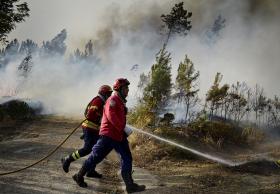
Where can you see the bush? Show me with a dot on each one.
(252, 135)
(167, 119)
(220, 132)
(2, 113)
(18, 110)
(147, 150)
(217, 131)
(141, 117)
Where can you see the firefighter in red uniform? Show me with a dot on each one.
(93, 114)
(113, 135)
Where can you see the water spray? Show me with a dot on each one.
(204, 155)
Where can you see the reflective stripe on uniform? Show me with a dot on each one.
(93, 108)
(76, 155)
(89, 124)
(277, 163)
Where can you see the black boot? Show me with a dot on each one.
(79, 177)
(94, 174)
(131, 187)
(66, 163)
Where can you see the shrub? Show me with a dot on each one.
(147, 150)
(16, 109)
(141, 117)
(252, 135)
(167, 119)
(2, 113)
(220, 132)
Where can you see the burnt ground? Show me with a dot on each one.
(22, 143)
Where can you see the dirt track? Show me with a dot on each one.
(23, 144)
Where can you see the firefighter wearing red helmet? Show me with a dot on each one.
(113, 135)
(90, 126)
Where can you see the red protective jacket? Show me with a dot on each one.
(93, 114)
(114, 118)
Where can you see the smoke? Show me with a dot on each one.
(128, 33)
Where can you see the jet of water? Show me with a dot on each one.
(204, 155)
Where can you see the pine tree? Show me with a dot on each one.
(158, 90)
(55, 47)
(237, 101)
(28, 46)
(216, 94)
(213, 33)
(89, 49)
(10, 52)
(177, 21)
(12, 48)
(25, 66)
(186, 85)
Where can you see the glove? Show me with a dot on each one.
(128, 130)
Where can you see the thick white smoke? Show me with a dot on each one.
(126, 33)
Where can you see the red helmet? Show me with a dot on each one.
(120, 83)
(105, 90)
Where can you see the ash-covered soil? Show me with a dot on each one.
(261, 167)
(24, 143)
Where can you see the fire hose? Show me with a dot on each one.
(46, 156)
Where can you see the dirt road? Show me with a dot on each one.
(22, 144)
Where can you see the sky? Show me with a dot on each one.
(126, 33)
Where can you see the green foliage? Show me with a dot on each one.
(11, 13)
(140, 116)
(216, 95)
(158, 90)
(186, 77)
(177, 21)
(186, 85)
(217, 131)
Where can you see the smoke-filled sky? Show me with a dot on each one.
(126, 33)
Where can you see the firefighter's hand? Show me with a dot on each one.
(128, 130)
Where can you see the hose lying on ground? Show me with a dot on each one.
(45, 157)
